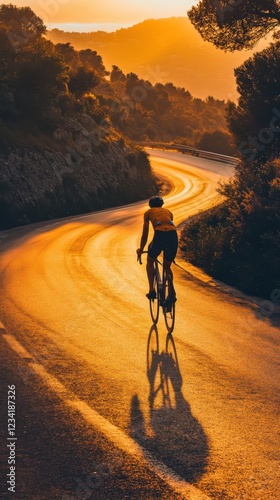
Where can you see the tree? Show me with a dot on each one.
(20, 24)
(82, 80)
(217, 141)
(235, 24)
(40, 75)
(69, 54)
(255, 121)
(31, 73)
(117, 74)
(94, 61)
(7, 56)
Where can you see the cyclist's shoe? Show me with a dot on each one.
(151, 295)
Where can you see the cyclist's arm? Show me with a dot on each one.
(145, 233)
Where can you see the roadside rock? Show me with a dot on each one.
(88, 169)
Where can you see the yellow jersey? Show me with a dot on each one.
(161, 219)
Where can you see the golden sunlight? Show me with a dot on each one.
(106, 11)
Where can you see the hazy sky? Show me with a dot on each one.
(104, 11)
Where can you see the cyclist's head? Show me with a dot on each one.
(156, 201)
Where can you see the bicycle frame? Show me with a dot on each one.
(163, 283)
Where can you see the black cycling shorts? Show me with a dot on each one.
(164, 240)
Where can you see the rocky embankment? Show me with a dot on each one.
(87, 169)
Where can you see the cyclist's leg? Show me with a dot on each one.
(150, 267)
(167, 268)
(154, 250)
(170, 254)
(168, 272)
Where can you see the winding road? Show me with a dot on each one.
(195, 417)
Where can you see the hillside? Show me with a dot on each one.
(38, 183)
(161, 51)
(59, 153)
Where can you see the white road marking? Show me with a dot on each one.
(17, 347)
(114, 434)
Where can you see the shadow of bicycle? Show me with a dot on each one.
(172, 435)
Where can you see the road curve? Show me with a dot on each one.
(72, 293)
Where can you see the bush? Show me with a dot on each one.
(245, 254)
(217, 142)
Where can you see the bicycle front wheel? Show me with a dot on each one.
(169, 303)
(154, 303)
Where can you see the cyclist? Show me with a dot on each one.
(165, 238)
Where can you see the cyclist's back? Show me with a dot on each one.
(161, 219)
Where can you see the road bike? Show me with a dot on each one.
(165, 295)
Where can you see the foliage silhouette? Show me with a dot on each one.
(235, 24)
(239, 241)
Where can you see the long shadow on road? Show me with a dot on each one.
(172, 435)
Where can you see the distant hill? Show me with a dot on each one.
(164, 50)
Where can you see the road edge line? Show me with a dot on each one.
(111, 432)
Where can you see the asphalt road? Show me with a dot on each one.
(109, 407)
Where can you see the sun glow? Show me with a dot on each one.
(105, 11)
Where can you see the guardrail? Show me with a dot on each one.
(193, 151)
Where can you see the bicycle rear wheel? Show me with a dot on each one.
(169, 303)
(154, 303)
